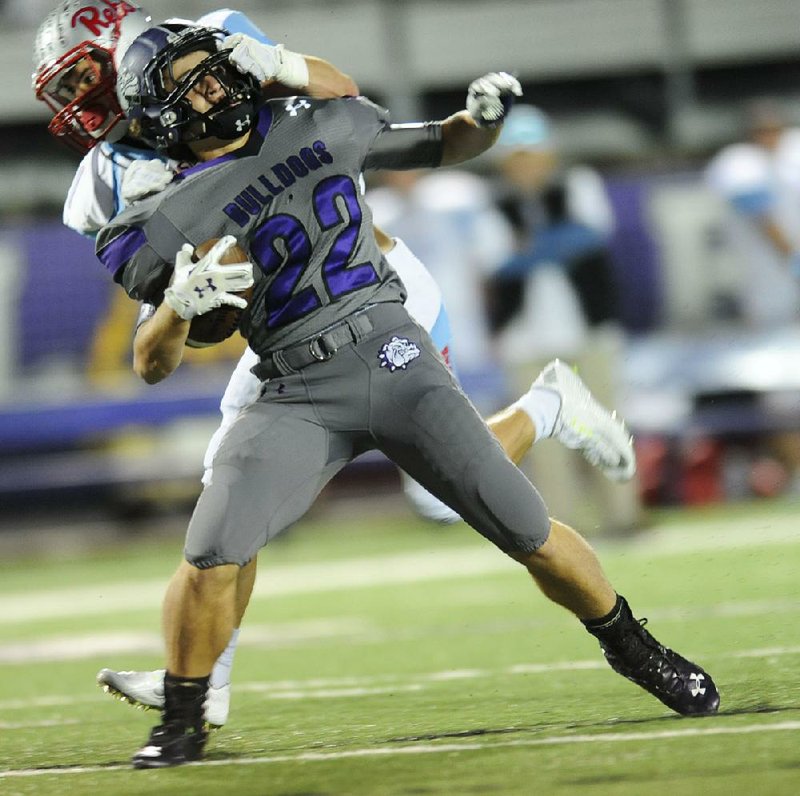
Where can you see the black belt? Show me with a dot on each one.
(319, 348)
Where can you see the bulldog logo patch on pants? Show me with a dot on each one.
(397, 353)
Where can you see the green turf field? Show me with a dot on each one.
(383, 656)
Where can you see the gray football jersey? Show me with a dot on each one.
(290, 197)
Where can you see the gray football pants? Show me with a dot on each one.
(282, 450)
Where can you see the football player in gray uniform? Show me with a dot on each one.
(345, 367)
(75, 54)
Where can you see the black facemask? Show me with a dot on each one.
(229, 119)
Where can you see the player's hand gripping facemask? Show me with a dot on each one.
(267, 62)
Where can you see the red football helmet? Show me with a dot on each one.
(75, 68)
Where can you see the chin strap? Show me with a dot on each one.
(231, 122)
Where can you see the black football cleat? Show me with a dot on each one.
(633, 652)
(171, 744)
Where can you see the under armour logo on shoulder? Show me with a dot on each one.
(293, 105)
(696, 687)
(243, 124)
(209, 286)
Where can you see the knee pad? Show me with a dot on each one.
(515, 508)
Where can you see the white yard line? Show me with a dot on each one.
(394, 569)
(282, 580)
(31, 725)
(80, 646)
(339, 693)
(445, 748)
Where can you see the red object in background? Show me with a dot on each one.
(701, 471)
(768, 477)
(652, 455)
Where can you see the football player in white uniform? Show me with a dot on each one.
(75, 74)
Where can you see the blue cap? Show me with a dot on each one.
(525, 127)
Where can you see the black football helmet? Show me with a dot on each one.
(156, 104)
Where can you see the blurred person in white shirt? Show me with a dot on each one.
(759, 181)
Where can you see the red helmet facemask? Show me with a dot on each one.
(80, 89)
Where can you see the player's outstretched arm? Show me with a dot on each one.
(471, 132)
(460, 137)
(463, 139)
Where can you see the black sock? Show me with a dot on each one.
(184, 698)
(603, 623)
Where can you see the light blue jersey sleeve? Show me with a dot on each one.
(95, 196)
(234, 22)
(753, 203)
(121, 157)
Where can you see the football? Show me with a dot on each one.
(219, 324)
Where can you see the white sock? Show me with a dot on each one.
(221, 673)
(542, 406)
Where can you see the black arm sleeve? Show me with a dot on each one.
(406, 146)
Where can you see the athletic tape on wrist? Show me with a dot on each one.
(293, 71)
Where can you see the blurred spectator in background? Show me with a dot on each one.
(759, 180)
(562, 220)
(554, 294)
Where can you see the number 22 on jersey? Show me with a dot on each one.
(282, 247)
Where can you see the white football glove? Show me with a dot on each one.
(266, 61)
(489, 98)
(143, 177)
(198, 287)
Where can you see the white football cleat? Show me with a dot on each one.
(145, 690)
(583, 424)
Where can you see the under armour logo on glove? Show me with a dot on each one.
(397, 353)
(199, 287)
(209, 286)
